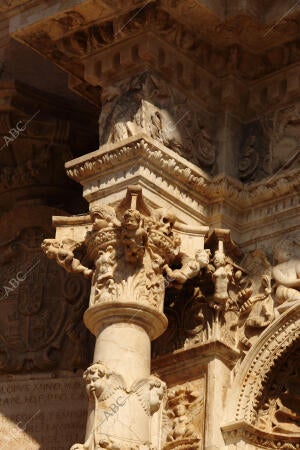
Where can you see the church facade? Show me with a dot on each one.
(149, 225)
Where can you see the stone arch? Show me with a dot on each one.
(252, 378)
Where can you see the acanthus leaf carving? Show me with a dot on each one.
(126, 256)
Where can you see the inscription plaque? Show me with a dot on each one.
(42, 414)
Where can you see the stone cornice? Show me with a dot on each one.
(11, 7)
(185, 363)
(249, 210)
(88, 50)
(215, 188)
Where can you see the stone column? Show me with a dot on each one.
(127, 249)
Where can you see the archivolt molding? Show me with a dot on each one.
(242, 431)
(255, 371)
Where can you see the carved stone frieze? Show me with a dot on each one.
(227, 302)
(212, 188)
(158, 35)
(184, 416)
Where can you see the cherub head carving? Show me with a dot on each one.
(102, 216)
(96, 378)
(202, 257)
(158, 390)
(131, 219)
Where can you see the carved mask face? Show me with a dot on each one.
(131, 219)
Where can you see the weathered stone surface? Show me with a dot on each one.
(189, 236)
(42, 413)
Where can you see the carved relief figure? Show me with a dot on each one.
(287, 272)
(185, 416)
(134, 237)
(63, 253)
(257, 312)
(147, 104)
(101, 384)
(146, 242)
(191, 267)
(221, 277)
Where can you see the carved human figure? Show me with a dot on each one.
(250, 158)
(65, 256)
(134, 236)
(101, 383)
(157, 391)
(221, 278)
(182, 427)
(103, 216)
(183, 403)
(287, 272)
(191, 267)
(106, 263)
